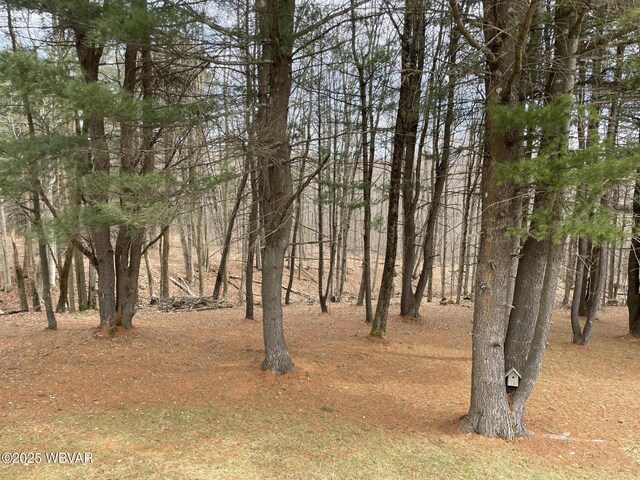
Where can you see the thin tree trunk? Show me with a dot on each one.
(466, 212)
(81, 285)
(403, 153)
(578, 289)
(224, 260)
(368, 150)
(569, 273)
(251, 247)
(633, 268)
(201, 253)
(20, 276)
(164, 264)
(600, 276)
(185, 242)
(443, 256)
(72, 295)
(292, 256)
(5, 254)
(149, 274)
(65, 279)
(322, 299)
(30, 269)
(52, 324)
(296, 218)
(92, 292)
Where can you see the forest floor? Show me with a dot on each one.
(181, 396)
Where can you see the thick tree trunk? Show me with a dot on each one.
(505, 28)
(277, 357)
(130, 240)
(537, 344)
(89, 56)
(526, 301)
(489, 413)
(534, 255)
(272, 150)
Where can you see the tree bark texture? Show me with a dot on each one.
(272, 151)
(505, 29)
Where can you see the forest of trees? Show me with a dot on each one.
(457, 150)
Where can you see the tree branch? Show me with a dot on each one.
(522, 37)
(457, 18)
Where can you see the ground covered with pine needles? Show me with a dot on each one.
(181, 396)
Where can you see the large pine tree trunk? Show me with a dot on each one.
(505, 28)
(536, 346)
(489, 412)
(89, 56)
(273, 151)
(128, 248)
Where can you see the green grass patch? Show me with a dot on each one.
(221, 442)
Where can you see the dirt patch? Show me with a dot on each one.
(584, 411)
